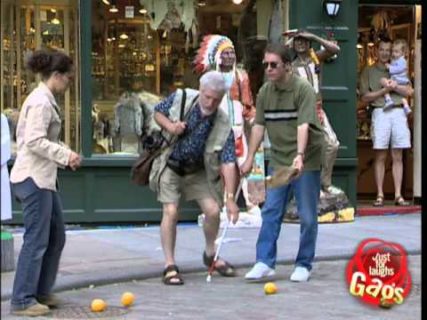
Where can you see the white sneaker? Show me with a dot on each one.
(259, 271)
(300, 274)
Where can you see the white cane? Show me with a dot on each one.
(221, 239)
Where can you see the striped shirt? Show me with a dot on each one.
(281, 108)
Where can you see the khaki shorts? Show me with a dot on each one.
(390, 129)
(193, 186)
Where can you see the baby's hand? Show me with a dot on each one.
(387, 65)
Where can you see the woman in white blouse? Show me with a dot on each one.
(34, 183)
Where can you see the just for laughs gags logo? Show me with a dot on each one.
(378, 273)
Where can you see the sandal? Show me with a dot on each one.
(171, 276)
(399, 201)
(225, 269)
(379, 202)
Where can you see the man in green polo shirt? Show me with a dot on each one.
(286, 109)
(389, 128)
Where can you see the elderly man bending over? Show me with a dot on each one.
(193, 166)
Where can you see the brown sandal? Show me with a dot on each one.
(171, 276)
(226, 269)
(399, 201)
(379, 202)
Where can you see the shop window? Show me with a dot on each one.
(27, 26)
(142, 51)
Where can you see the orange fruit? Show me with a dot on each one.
(98, 305)
(270, 288)
(127, 299)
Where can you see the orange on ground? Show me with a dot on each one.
(270, 288)
(127, 299)
(98, 305)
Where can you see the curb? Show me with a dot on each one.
(387, 210)
(130, 274)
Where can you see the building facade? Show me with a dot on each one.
(140, 49)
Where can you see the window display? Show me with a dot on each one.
(141, 52)
(27, 26)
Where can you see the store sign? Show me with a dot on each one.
(129, 12)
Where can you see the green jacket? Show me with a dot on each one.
(214, 145)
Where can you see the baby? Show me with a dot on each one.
(398, 69)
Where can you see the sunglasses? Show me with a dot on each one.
(273, 65)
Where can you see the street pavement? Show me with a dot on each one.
(105, 263)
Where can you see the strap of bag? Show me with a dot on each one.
(182, 116)
(184, 97)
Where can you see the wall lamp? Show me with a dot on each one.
(332, 7)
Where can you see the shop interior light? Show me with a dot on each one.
(107, 2)
(332, 7)
(143, 11)
(113, 9)
(371, 42)
(124, 36)
(359, 41)
(201, 3)
(55, 21)
(53, 10)
(237, 1)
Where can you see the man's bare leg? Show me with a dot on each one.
(168, 231)
(211, 225)
(396, 155)
(380, 158)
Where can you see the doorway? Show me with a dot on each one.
(396, 22)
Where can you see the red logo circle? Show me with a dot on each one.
(378, 273)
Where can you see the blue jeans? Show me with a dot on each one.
(306, 189)
(44, 239)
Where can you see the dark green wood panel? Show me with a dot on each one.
(104, 194)
(339, 80)
(86, 76)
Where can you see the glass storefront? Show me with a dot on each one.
(141, 51)
(27, 26)
(138, 58)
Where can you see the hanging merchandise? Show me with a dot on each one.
(173, 14)
(381, 24)
(172, 19)
(156, 11)
(170, 14)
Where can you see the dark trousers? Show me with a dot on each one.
(44, 239)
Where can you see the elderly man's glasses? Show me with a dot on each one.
(273, 64)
